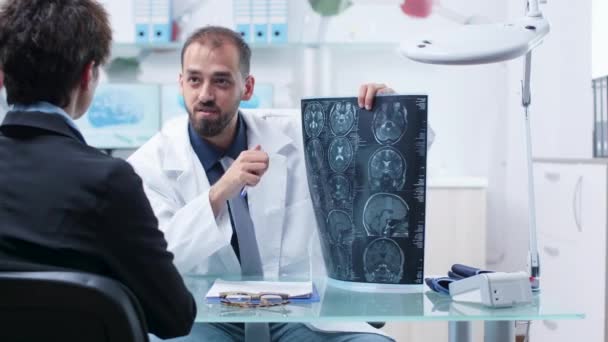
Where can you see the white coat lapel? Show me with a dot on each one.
(181, 163)
(267, 199)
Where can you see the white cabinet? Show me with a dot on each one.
(455, 228)
(455, 233)
(571, 201)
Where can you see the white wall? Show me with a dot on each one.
(599, 38)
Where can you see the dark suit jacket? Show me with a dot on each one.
(65, 205)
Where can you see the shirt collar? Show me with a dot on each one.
(45, 107)
(209, 155)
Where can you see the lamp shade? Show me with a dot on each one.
(478, 44)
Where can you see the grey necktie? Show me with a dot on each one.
(251, 263)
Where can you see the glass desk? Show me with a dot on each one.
(338, 304)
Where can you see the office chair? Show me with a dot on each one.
(68, 306)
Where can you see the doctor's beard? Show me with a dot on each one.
(210, 127)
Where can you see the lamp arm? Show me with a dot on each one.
(526, 95)
(526, 99)
(534, 9)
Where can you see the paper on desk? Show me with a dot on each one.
(300, 289)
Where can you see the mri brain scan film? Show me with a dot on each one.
(340, 154)
(387, 170)
(342, 117)
(314, 120)
(367, 178)
(390, 122)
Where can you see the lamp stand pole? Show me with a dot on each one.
(526, 99)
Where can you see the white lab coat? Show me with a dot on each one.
(280, 205)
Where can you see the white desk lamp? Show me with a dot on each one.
(490, 43)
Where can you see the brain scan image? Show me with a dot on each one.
(313, 119)
(314, 152)
(316, 188)
(340, 154)
(341, 236)
(367, 177)
(386, 215)
(339, 225)
(389, 123)
(387, 170)
(383, 261)
(342, 117)
(340, 188)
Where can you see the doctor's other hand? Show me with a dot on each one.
(368, 91)
(246, 170)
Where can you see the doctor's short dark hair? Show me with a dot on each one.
(218, 35)
(46, 44)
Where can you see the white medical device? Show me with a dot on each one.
(498, 289)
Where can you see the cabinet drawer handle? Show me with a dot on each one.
(577, 205)
(552, 176)
(551, 325)
(551, 251)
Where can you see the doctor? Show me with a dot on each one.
(196, 168)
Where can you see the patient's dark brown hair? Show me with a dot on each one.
(46, 44)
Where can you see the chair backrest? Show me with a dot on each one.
(68, 306)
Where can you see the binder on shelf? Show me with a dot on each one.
(242, 18)
(160, 19)
(259, 19)
(277, 17)
(142, 25)
(152, 21)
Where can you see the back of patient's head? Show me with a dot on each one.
(45, 46)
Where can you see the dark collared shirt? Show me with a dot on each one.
(210, 157)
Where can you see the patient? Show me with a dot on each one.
(63, 204)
